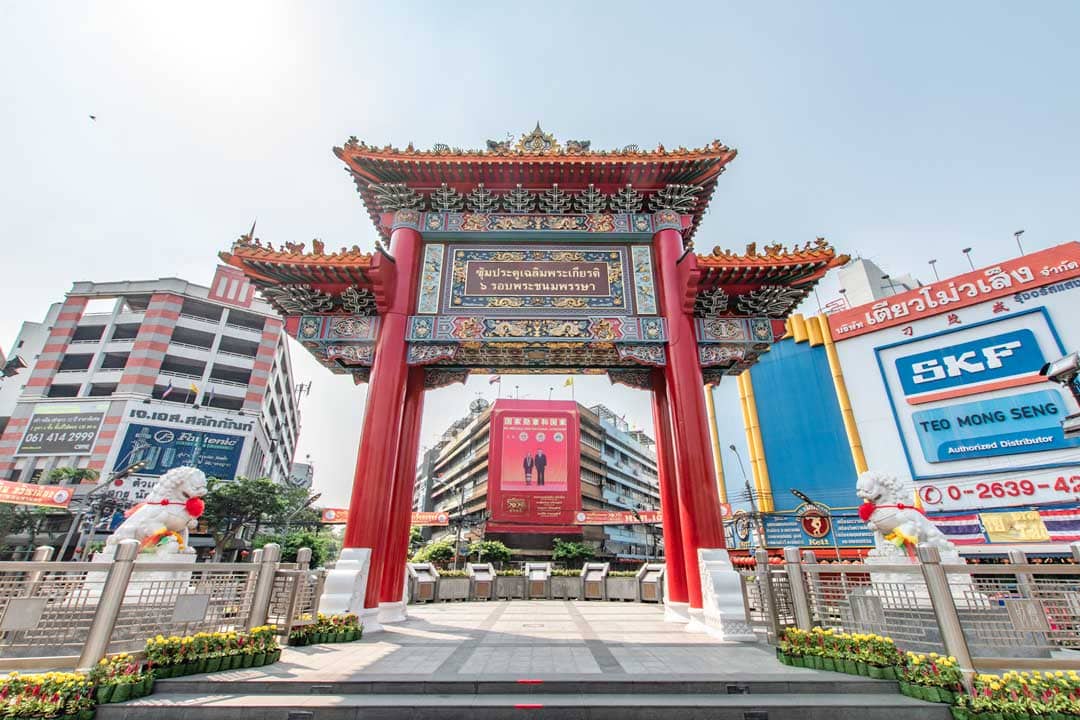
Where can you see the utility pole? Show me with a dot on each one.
(460, 523)
(758, 520)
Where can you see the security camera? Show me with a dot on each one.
(1064, 370)
(12, 366)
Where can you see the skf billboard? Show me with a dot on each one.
(975, 393)
(534, 475)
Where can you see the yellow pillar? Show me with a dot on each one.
(842, 398)
(757, 445)
(752, 459)
(714, 435)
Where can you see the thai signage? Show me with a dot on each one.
(534, 479)
(163, 448)
(617, 517)
(14, 493)
(569, 279)
(339, 516)
(1009, 411)
(520, 279)
(202, 419)
(1019, 277)
(812, 527)
(63, 429)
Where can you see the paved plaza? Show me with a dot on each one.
(525, 639)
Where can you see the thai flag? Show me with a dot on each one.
(168, 390)
(1063, 525)
(961, 529)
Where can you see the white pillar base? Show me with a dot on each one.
(346, 583)
(723, 615)
(676, 612)
(392, 612)
(369, 618)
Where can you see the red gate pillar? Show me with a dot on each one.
(366, 531)
(392, 585)
(699, 500)
(676, 603)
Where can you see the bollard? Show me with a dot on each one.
(952, 634)
(303, 559)
(765, 591)
(1024, 582)
(42, 554)
(256, 556)
(799, 599)
(264, 584)
(1076, 551)
(108, 609)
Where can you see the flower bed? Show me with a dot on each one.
(1021, 695)
(328, 629)
(119, 678)
(865, 654)
(62, 695)
(176, 656)
(936, 678)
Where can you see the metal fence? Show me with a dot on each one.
(71, 614)
(990, 617)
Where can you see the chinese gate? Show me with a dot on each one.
(534, 257)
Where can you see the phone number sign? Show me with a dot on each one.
(1035, 488)
(63, 429)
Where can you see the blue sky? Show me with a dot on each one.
(901, 132)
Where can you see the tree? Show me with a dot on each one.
(14, 520)
(489, 551)
(241, 503)
(72, 476)
(436, 552)
(571, 553)
(322, 545)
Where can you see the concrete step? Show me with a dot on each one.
(532, 706)
(772, 684)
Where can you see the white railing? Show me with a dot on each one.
(173, 343)
(176, 374)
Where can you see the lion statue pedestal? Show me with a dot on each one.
(160, 524)
(897, 525)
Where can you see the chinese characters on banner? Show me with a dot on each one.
(534, 482)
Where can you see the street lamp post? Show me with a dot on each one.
(967, 254)
(460, 523)
(1019, 245)
(758, 520)
(933, 266)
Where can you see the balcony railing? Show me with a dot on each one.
(176, 374)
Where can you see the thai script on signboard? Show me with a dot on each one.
(224, 423)
(15, 493)
(1023, 297)
(62, 429)
(617, 517)
(990, 363)
(1022, 274)
(536, 278)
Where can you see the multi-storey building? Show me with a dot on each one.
(162, 372)
(618, 472)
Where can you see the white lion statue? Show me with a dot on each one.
(889, 510)
(172, 506)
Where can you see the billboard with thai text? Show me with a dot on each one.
(163, 448)
(534, 466)
(62, 429)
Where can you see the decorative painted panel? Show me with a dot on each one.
(754, 330)
(562, 224)
(467, 328)
(644, 280)
(328, 328)
(431, 279)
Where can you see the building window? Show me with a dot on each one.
(102, 389)
(63, 391)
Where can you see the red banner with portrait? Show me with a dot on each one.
(534, 467)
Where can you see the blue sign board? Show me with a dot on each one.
(163, 449)
(980, 361)
(1028, 422)
(846, 530)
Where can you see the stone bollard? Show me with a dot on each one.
(264, 584)
(108, 609)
